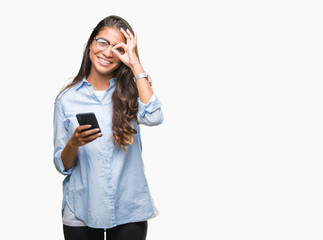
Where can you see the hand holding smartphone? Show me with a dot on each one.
(88, 118)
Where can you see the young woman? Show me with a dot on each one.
(105, 186)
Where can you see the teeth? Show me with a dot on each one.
(104, 61)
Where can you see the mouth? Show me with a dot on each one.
(104, 62)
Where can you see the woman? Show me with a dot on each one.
(105, 186)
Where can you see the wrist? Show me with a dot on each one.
(137, 69)
(73, 144)
(141, 76)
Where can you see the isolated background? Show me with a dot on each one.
(239, 155)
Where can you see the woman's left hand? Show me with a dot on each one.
(129, 56)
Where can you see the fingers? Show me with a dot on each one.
(126, 34)
(122, 48)
(120, 45)
(126, 51)
(119, 49)
(89, 133)
(88, 138)
(129, 36)
(82, 136)
(82, 128)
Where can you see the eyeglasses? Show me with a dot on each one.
(102, 44)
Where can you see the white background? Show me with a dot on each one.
(239, 155)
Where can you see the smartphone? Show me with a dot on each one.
(88, 118)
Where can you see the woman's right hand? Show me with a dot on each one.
(81, 136)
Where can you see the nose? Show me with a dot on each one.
(108, 52)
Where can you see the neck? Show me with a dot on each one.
(99, 82)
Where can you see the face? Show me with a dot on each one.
(105, 62)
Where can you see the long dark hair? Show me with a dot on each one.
(124, 98)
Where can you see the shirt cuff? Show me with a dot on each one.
(149, 107)
(60, 166)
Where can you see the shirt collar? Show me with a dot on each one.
(85, 82)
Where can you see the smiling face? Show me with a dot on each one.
(105, 62)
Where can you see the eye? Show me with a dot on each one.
(120, 50)
(102, 42)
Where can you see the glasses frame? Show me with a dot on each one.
(108, 44)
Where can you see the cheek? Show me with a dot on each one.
(92, 54)
(117, 61)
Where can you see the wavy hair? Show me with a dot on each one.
(124, 98)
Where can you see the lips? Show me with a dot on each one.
(104, 62)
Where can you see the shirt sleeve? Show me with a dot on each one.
(60, 138)
(150, 114)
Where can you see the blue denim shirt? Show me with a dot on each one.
(106, 186)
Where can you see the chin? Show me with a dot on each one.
(106, 72)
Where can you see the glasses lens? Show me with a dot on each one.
(101, 44)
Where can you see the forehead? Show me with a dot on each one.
(112, 34)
